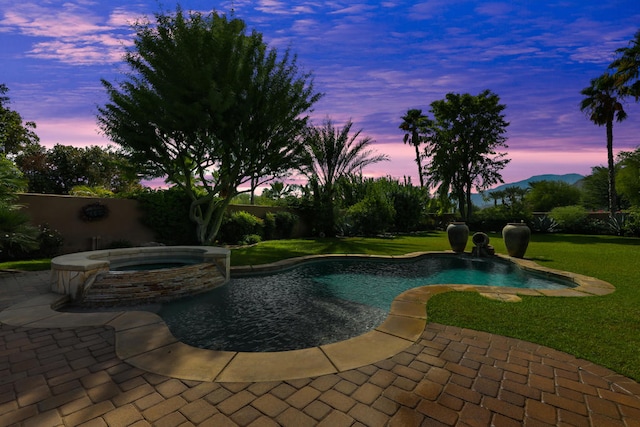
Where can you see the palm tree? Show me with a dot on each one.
(332, 153)
(627, 67)
(602, 105)
(413, 123)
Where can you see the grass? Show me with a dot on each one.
(604, 330)
(30, 265)
(275, 250)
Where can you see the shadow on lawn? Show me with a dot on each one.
(391, 245)
(580, 239)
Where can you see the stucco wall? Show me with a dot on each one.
(64, 213)
(123, 222)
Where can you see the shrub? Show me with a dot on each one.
(269, 228)
(494, 218)
(373, 215)
(596, 226)
(238, 225)
(86, 191)
(570, 219)
(285, 221)
(279, 225)
(50, 241)
(251, 239)
(631, 226)
(409, 203)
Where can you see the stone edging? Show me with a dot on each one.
(144, 341)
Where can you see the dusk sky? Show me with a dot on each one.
(372, 60)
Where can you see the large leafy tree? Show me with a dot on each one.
(414, 124)
(546, 195)
(208, 106)
(602, 103)
(595, 188)
(59, 169)
(333, 153)
(465, 134)
(15, 135)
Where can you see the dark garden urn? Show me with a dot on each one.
(458, 233)
(516, 237)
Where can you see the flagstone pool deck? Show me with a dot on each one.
(125, 368)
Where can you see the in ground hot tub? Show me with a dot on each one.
(139, 275)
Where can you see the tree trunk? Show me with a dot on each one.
(252, 199)
(469, 205)
(419, 166)
(216, 220)
(461, 203)
(613, 197)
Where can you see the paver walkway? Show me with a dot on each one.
(451, 376)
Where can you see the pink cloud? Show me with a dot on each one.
(79, 132)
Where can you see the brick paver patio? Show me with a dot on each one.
(451, 376)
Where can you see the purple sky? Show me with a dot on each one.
(373, 61)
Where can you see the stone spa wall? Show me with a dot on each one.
(87, 278)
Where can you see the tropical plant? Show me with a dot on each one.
(277, 190)
(17, 236)
(465, 133)
(332, 153)
(414, 123)
(602, 104)
(209, 107)
(544, 224)
(617, 223)
(627, 68)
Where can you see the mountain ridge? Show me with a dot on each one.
(569, 178)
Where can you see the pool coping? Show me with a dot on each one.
(143, 340)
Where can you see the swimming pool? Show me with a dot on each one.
(321, 302)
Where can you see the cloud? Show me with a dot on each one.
(277, 7)
(78, 132)
(354, 9)
(71, 33)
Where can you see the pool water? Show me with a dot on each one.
(325, 301)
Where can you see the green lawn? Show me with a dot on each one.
(30, 265)
(604, 330)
